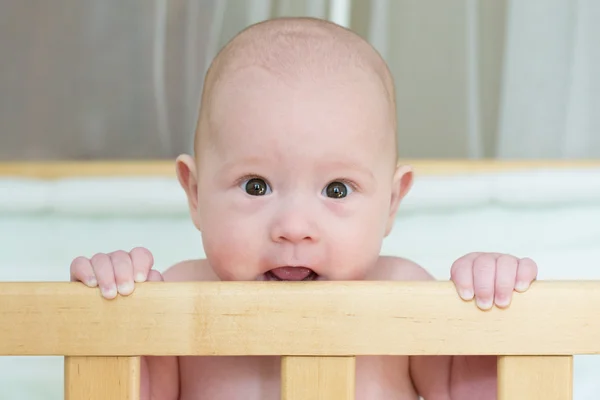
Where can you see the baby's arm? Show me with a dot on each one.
(114, 273)
(454, 377)
(446, 377)
(439, 377)
(159, 378)
(490, 278)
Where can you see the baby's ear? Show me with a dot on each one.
(187, 175)
(401, 184)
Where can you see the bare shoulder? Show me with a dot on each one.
(189, 271)
(390, 268)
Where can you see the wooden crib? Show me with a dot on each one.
(317, 327)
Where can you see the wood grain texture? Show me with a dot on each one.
(102, 378)
(65, 169)
(295, 318)
(318, 378)
(535, 377)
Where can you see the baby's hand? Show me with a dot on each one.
(115, 272)
(492, 277)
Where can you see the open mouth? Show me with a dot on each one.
(292, 274)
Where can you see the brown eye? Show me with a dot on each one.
(256, 187)
(336, 190)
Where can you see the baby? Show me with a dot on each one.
(295, 178)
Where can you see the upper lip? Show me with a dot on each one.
(313, 269)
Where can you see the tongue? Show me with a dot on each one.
(291, 273)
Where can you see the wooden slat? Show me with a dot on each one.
(101, 378)
(295, 318)
(318, 378)
(535, 377)
(66, 169)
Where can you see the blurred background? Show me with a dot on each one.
(121, 80)
(117, 79)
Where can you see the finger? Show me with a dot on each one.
(484, 277)
(82, 271)
(142, 262)
(506, 274)
(155, 276)
(461, 274)
(105, 275)
(123, 270)
(526, 273)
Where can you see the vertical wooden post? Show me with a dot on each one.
(102, 378)
(317, 378)
(535, 377)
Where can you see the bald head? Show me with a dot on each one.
(291, 47)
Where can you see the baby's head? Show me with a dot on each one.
(295, 162)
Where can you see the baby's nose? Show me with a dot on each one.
(294, 225)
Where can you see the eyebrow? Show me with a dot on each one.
(350, 165)
(243, 163)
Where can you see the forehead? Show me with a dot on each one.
(255, 110)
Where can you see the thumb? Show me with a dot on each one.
(155, 276)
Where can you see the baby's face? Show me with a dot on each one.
(296, 174)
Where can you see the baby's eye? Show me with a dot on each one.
(337, 190)
(256, 187)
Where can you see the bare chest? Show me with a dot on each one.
(258, 378)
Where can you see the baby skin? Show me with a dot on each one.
(295, 177)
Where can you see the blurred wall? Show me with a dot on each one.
(111, 79)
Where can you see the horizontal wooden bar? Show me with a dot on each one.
(295, 318)
(68, 169)
(88, 169)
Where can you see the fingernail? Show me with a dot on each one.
(502, 301)
(109, 292)
(125, 288)
(140, 277)
(521, 286)
(466, 294)
(484, 304)
(92, 282)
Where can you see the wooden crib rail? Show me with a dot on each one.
(166, 168)
(319, 327)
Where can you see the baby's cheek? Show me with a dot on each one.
(354, 250)
(231, 244)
